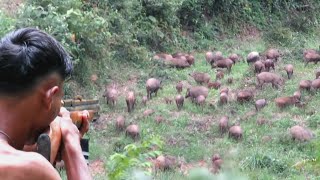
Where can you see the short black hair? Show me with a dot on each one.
(26, 56)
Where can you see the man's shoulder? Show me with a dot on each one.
(26, 165)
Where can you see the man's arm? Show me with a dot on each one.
(72, 156)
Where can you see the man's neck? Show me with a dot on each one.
(15, 122)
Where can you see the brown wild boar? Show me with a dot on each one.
(144, 100)
(152, 86)
(258, 67)
(253, 57)
(235, 132)
(214, 85)
(165, 162)
(299, 133)
(131, 101)
(168, 100)
(179, 62)
(289, 69)
(200, 77)
(112, 95)
(179, 87)
(133, 131)
(190, 59)
(94, 78)
(179, 101)
(219, 75)
(224, 63)
(273, 54)
(216, 163)
(148, 112)
(224, 124)
(317, 73)
(245, 95)
(315, 84)
(159, 119)
(268, 64)
(120, 123)
(196, 91)
(209, 57)
(260, 103)
(234, 58)
(283, 102)
(311, 57)
(200, 100)
(230, 80)
(223, 98)
(297, 95)
(216, 57)
(224, 90)
(268, 77)
(305, 85)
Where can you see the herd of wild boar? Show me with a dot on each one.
(263, 65)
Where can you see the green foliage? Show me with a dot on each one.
(134, 156)
(6, 24)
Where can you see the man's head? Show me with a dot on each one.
(33, 67)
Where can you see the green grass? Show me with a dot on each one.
(192, 133)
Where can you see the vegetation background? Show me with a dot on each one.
(116, 40)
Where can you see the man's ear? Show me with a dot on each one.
(49, 96)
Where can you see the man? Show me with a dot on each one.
(33, 67)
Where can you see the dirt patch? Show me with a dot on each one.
(10, 7)
(248, 33)
(96, 167)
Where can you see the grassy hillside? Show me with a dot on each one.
(266, 151)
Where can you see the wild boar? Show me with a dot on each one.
(297, 95)
(235, 132)
(219, 75)
(190, 59)
(178, 54)
(168, 100)
(148, 112)
(268, 64)
(112, 95)
(209, 57)
(253, 57)
(311, 57)
(230, 80)
(200, 77)
(200, 100)
(258, 66)
(234, 58)
(120, 123)
(216, 57)
(223, 98)
(179, 101)
(260, 103)
(163, 56)
(144, 100)
(283, 102)
(224, 124)
(152, 86)
(299, 133)
(131, 101)
(196, 91)
(317, 73)
(179, 87)
(244, 95)
(315, 84)
(289, 69)
(216, 163)
(165, 162)
(224, 90)
(214, 85)
(273, 54)
(159, 119)
(267, 77)
(133, 131)
(179, 62)
(305, 85)
(224, 63)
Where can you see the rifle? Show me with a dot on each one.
(48, 143)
